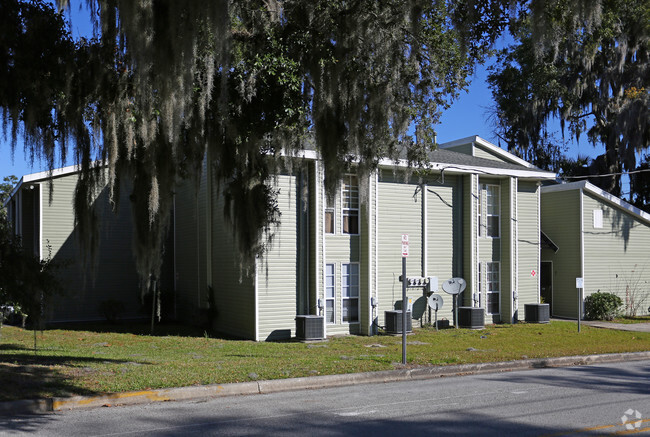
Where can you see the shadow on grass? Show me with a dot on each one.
(28, 375)
(139, 327)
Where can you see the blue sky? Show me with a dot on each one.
(466, 117)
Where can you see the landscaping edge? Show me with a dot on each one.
(311, 382)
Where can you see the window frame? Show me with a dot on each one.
(326, 288)
(492, 267)
(350, 192)
(484, 214)
(346, 297)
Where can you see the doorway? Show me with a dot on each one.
(546, 283)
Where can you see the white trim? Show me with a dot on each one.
(320, 181)
(40, 221)
(425, 234)
(475, 205)
(476, 140)
(257, 302)
(464, 169)
(582, 244)
(376, 267)
(602, 194)
(369, 210)
(175, 266)
(539, 246)
(514, 268)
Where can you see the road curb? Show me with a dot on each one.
(305, 383)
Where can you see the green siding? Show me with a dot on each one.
(617, 256)
(444, 223)
(470, 241)
(399, 212)
(278, 275)
(467, 149)
(560, 213)
(190, 252)
(528, 244)
(114, 272)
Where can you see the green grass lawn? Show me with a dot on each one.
(87, 362)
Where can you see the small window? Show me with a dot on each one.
(330, 297)
(598, 218)
(350, 292)
(329, 220)
(350, 203)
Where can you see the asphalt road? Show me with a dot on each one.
(584, 400)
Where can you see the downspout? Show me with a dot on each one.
(40, 221)
(582, 246)
(256, 322)
(370, 256)
(376, 250)
(425, 239)
(208, 225)
(174, 269)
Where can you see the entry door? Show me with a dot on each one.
(546, 283)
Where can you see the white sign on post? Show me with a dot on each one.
(580, 282)
(405, 245)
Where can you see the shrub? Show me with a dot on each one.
(602, 306)
(111, 309)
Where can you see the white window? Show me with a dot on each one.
(350, 204)
(598, 218)
(492, 211)
(350, 292)
(493, 287)
(330, 297)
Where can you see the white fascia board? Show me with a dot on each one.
(469, 169)
(490, 147)
(459, 142)
(602, 195)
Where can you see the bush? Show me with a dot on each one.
(111, 309)
(602, 306)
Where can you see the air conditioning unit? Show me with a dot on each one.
(470, 317)
(537, 313)
(309, 327)
(394, 322)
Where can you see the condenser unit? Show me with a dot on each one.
(394, 322)
(309, 327)
(470, 317)
(537, 313)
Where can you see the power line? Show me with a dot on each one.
(606, 175)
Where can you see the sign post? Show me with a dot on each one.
(580, 284)
(405, 253)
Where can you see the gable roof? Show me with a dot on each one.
(492, 148)
(601, 195)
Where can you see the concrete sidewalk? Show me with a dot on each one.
(314, 382)
(634, 327)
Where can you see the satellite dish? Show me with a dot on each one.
(435, 302)
(454, 285)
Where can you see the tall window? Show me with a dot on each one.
(329, 216)
(492, 211)
(493, 287)
(350, 292)
(350, 203)
(329, 293)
